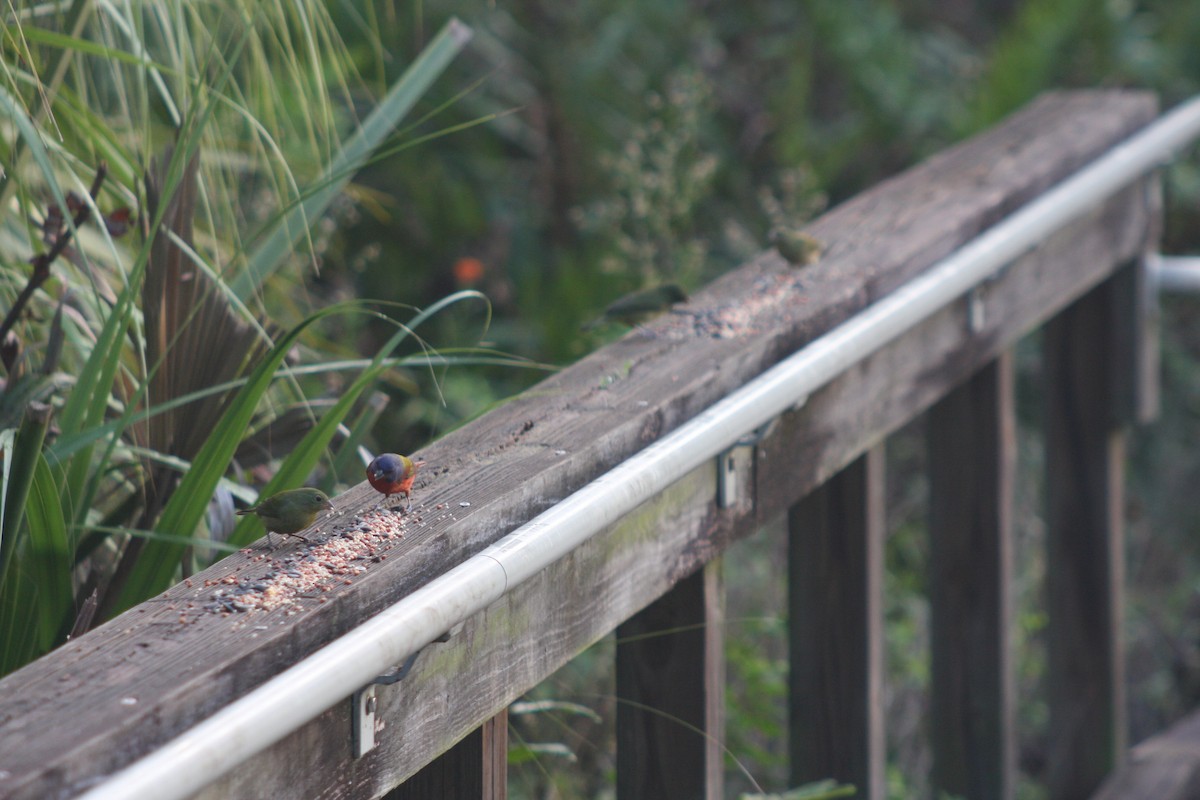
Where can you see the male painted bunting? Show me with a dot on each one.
(391, 474)
(290, 511)
(639, 306)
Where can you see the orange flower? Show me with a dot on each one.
(468, 271)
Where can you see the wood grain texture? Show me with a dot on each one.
(157, 669)
(972, 458)
(1165, 766)
(835, 630)
(1084, 542)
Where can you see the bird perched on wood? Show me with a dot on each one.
(637, 307)
(289, 512)
(390, 473)
(797, 247)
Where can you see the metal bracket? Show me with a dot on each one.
(362, 725)
(364, 703)
(976, 310)
(727, 475)
(977, 299)
(727, 482)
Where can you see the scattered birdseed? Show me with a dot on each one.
(772, 294)
(331, 557)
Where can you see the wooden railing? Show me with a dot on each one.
(105, 700)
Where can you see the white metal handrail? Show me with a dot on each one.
(1175, 273)
(284, 703)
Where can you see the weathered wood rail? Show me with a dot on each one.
(102, 701)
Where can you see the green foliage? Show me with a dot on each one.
(1029, 55)
(785, 105)
(659, 177)
(597, 148)
(374, 130)
(153, 369)
(571, 717)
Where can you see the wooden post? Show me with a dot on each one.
(476, 767)
(1085, 569)
(972, 453)
(671, 693)
(835, 574)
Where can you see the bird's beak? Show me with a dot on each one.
(328, 505)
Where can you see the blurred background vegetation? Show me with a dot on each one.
(328, 168)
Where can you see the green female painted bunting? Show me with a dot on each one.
(639, 306)
(289, 512)
(798, 248)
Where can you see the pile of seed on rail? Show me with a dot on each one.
(334, 553)
(772, 292)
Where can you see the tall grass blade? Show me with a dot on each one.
(11, 109)
(304, 456)
(20, 620)
(185, 510)
(18, 636)
(86, 409)
(76, 17)
(26, 449)
(269, 255)
(347, 466)
(48, 558)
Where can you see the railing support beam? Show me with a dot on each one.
(1084, 564)
(671, 693)
(835, 630)
(476, 767)
(972, 454)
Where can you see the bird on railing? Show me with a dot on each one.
(637, 307)
(289, 512)
(798, 248)
(391, 473)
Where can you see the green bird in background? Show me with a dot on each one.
(637, 307)
(289, 512)
(798, 248)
